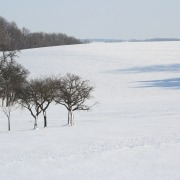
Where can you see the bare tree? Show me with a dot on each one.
(28, 98)
(36, 96)
(73, 92)
(7, 56)
(45, 90)
(12, 77)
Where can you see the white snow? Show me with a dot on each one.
(133, 133)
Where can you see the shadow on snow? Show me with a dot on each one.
(172, 83)
(149, 69)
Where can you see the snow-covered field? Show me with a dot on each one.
(133, 133)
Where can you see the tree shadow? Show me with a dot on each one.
(171, 83)
(150, 69)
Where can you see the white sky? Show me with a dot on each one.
(118, 19)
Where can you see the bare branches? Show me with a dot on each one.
(36, 95)
(12, 76)
(73, 92)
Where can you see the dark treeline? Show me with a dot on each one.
(14, 38)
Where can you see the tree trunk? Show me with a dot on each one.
(9, 126)
(69, 117)
(45, 119)
(72, 118)
(35, 122)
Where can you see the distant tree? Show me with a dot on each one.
(15, 38)
(3, 37)
(73, 92)
(25, 39)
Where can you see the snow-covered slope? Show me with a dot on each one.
(132, 133)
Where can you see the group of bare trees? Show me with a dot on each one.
(15, 38)
(36, 95)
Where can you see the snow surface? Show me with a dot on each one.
(133, 132)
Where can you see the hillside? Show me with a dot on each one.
(132, 133)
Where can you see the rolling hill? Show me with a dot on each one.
(132, 133)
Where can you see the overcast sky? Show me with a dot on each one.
(117, 19)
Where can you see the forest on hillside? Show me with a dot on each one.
(14, 38)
